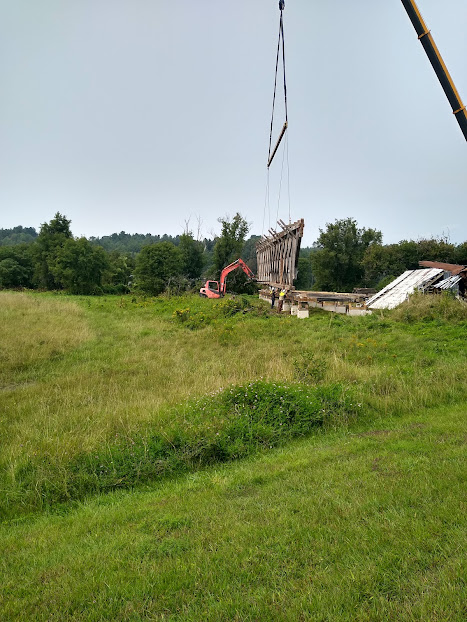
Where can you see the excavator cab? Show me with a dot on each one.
(210, 290)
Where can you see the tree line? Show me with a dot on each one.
(344, 256)
(55, 260)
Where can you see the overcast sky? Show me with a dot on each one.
(139, 115)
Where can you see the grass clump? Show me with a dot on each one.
(420, 307)
(194, 319)
(228, 425)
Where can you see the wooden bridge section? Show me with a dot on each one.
(277, 255)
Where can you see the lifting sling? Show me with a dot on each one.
(280, 44)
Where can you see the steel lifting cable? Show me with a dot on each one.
(272, 152)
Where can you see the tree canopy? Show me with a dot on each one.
(344, 256)
(229, 244)
(79, 266)
(157, 265)
(337, 264)
(51, 239)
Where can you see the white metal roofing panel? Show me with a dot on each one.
(401, 288)
(451, 281)
(387, 287)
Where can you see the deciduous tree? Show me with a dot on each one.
(16, 266)
(79, 266)
(50, 240)
(191, 252)
(337, 264)
(230, 243)
(156, 266)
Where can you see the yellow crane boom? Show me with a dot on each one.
(435, 58)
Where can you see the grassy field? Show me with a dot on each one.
(346, 505)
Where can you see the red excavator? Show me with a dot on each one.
(216, 289)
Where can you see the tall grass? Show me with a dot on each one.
(83, 373)
(440, 307)
(35, 330)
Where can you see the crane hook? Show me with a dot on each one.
(281, 5)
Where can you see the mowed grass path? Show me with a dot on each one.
(365, 524)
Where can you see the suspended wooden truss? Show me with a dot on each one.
(277, 255)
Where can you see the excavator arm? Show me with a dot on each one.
(435, 58)
(238, 263)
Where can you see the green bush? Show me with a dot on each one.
(231, 306)
(191, 320)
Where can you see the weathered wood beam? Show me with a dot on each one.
(281, 135)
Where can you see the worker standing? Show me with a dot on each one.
(281, 301)
(273, 297)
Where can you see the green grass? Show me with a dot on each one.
(259, 467)
(87, 377)
(365, 524)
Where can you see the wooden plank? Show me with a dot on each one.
(281, 135)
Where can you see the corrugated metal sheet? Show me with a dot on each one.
(453, 268)
(398, 291)
(448, 283)
(388, 288)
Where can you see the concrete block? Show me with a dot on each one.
(303, 313)
(293, 310)
(356, 311)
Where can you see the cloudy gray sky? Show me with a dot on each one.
(139, 115)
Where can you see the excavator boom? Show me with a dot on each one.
(214, 289)
(238, 263)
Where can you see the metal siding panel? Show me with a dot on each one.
(403, 286)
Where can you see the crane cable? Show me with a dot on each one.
(272, 152)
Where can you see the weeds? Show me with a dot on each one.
(225, 308)
(309, 368)
(360, 518)
(442, 307)
(226, 426)
(111, 372)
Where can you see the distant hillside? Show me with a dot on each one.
(131, 242)
(17, 235)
